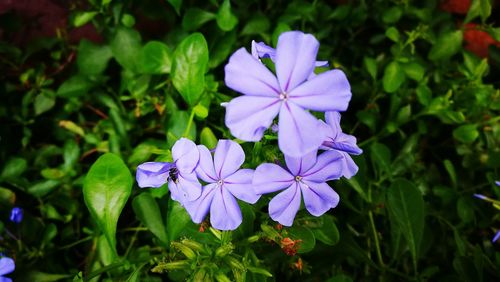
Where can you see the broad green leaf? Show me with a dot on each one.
(207, 138)
(447, 45)
(466, 133)
(371, 66)
(328, 232)
(82, 18)
(414, 71)
(306, 236)
(43, 188)
(147, 210)
(43, 103)
(219, 52)
(155, 58)
(176, 4)
(381, 158)
(424, 94)
(92, 59)
(393, 77)
(258, 24)
(177, 220)
(392, 33)
(406, 204)
(225, 19)
(189, 67)
(75, 86)
(392, 15)
(106, 189)
(126, 47)
(195, 18)
(14, 168)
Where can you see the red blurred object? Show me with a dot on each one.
(477, 41)
(456, 6)
(289, 246)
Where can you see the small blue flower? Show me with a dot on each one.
(16, 215)
(497, 235)
(7, 265)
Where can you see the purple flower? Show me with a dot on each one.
(180, 175)
(341, 142)
(305, 176)
(225, 182)
(16, 215)
(288, 93)
(7, 265)
(261, 50)
(497, 183)
(495, 238)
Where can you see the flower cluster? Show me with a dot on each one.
(290, 94)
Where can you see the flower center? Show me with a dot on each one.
(284, 96)
(298, 178)
(220, 182)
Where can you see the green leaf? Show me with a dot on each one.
(195, 18)
(371, 66)
(189, 67)
(447, 45)
(465, 209)
(414, 71)
(381, 158)
(306, 236)
(424, 94)
(392, 33)
(155, 58)
(128, 20)
(207, 138)
(466, 133)
(43, 103)
(177, 220)
(126, 47)
(43, 188)
(92, 59)
(328, 232)
(219, 52)
(258, 24)
(392, 15)
(176, 4)
(82, 18)
(147, 210)
(225, 19)
(14, 168)
(74, 87)
(406, 205)
(7, 198)
(106, 189)
(393, 77)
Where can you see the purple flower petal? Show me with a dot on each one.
(299, 131)
(482, 197)
(205, 169)
(7, 265)
(16, 215)
(153, 174)
(239, 184)
(495, 238)
(198, 208)
(270, 178)
(295, 58)
(185, 154)
(247, 75)
(328, 91)
(228, 158)
(284, 206)
(349, 167)
(321, 64)
(335, 138)
(318, 197)
(301, 164)
(497, 183)
(249, 116)
(328, 167)
(225, 214)
(186, 188)
(261, 50)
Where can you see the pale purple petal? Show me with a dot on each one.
(247, 117)
(186, 188)
(295, 58)
(497, 183)
(327, 167)
(301, 164)
(153, 174)
(480, 196)
(328, 91)
(497, 235)
(318, 197)
(7, 265)
(5, 279)
(332, 118)
(228, 158)
(186, 155)
(349, 167)
(225, 214)
(336, 139)
(239, 184)
(321, 64)
(261, 50)
(198, 208)
(205, 169)
(270, 178)
(284, 206)
(299, 131)
(247, 75)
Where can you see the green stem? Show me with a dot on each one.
(190, 122)
(375, 236)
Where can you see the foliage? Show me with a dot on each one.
(102, 86)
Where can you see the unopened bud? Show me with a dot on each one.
(192, 244)
(221, 277)
(224, 250)
(234, 263)
(188, 252)
(169, 266)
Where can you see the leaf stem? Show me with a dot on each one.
(190, 122)
(375, 236)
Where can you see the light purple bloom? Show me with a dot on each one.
(261, 50)
(497, 183)
(7, 266)
(495, 238)
(225, 182)
(341, 142)
(180, 175)
(16, 215)
(288, 93)
(305, 177)
(480, 196)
